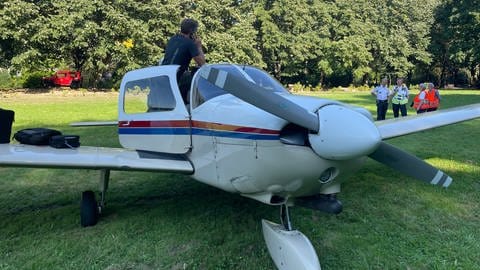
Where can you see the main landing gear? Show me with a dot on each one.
(289, 249)
(90, 210)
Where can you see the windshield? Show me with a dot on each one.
(203, 90)
(261, 78)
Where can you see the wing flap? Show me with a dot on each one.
(406, 125)
(87, 157)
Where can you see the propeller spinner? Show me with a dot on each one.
(344, 134)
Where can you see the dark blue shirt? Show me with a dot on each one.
(180, 51)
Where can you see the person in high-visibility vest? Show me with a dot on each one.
(420, 102)
(400, 98)
(433, 97)
(382, 93)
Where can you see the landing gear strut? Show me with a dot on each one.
(289, 248)
(285, 217)
(90, 210)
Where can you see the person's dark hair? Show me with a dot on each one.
(188, 26)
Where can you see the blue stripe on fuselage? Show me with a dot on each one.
(233, 134)
(197, 131)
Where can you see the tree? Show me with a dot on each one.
(456, 40)
(314, 42)
(227, 32)
(19, 21)
(294, 41)
(98, 37)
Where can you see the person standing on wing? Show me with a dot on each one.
(181, 49)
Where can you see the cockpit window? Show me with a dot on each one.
(203, 90)
(149, 95)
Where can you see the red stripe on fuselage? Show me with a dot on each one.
(224, 127)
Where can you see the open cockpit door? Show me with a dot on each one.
(151, 113)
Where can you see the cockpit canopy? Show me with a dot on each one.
(155, 92)
(203, 90)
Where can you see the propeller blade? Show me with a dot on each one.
(261, 98)
(410, 165)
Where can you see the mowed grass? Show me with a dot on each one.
(169, 221)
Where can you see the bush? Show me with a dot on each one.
(5, 80)
(105, 83)
(364, 88)
(463, 78)
(33, 80)
(337, 89)
(297, 87)
(318, 88)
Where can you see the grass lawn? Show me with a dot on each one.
(168, 221)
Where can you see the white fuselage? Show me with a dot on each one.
(232, 145)
(246, 155)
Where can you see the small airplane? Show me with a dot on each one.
(241, 131)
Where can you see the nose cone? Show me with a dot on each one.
(344, 134)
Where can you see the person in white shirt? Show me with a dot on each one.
(382, 93)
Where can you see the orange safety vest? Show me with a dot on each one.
(417, 100)
(432, 98)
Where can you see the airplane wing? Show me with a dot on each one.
(406, 125)
(87, 157)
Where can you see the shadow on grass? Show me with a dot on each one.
(173, 196)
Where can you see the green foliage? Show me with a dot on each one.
(455, 39)
(326, 43)
(296, 87)
(363, 88)
(5, 79)
(227, 31)
(33, 79)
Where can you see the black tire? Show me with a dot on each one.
(46, 83)
(75, 85)
(88, 209)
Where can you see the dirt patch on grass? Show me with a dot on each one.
(55, 93)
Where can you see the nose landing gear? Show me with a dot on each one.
(289, 249)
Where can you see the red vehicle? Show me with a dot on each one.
(73, 79)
